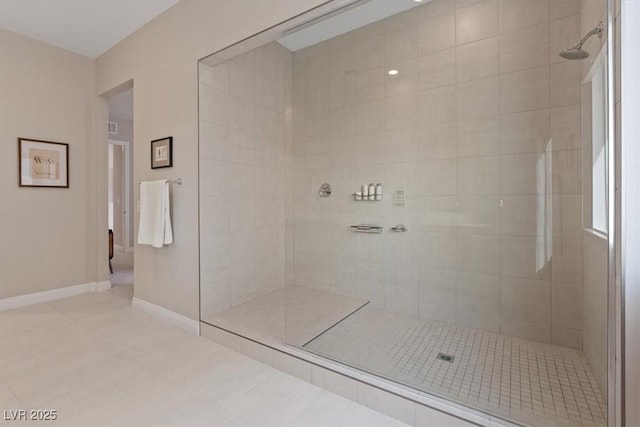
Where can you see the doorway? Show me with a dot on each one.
(119, 189)
(120, 192)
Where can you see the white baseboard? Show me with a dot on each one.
(183, 322)
(53, 294)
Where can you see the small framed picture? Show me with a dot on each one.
(43, 163)
(162, 153)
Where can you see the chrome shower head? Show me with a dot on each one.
(576, 51)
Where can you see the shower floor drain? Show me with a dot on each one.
(446, 357)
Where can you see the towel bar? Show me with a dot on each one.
(174, 181)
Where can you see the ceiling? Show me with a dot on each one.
(324, 28)
(86, 27)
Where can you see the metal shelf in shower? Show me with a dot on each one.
(367, 228)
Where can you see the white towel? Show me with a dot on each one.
(155, 219)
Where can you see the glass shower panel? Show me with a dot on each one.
(243, 106)
(464, 277)
(401, 187)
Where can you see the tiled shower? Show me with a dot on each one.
(475, 128)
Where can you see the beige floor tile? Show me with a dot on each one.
(261, 404)
(8, 399)
(38, 317)
(185, 412)
(97, 361)
(366, 417)
(315, 407)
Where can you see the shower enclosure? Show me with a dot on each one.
(417, 190)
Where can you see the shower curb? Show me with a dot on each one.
(402, 403)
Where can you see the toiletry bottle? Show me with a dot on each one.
(365, 192)
(372, 192)
(378, 191)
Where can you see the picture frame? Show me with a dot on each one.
(43, 163)
(162, 153)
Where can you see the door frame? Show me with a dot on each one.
(127, 193)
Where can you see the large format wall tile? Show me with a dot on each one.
(524, 48)
(478, 175)
(436, 33)
(525, 132)
(242, 183)
(477, 60)
(516, 14)
(526, 257)
(526, 299)
(477, 21)
(524, 90)
(481, 130)
(478, 99)
(523, 173)
(437, 69)
(478, 137)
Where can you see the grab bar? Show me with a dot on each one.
(366, 228)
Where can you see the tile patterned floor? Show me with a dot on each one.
(97, 361)
(523, 381)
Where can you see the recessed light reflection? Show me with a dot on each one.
(393, 72)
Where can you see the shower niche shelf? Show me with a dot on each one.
(369, 193)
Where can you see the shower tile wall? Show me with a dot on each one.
(481, 130)
(242, 190)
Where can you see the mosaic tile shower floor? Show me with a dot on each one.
(520, 380)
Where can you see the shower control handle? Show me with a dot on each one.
(399, 228)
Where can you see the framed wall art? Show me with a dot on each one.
(43, 163)
(162, 153)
